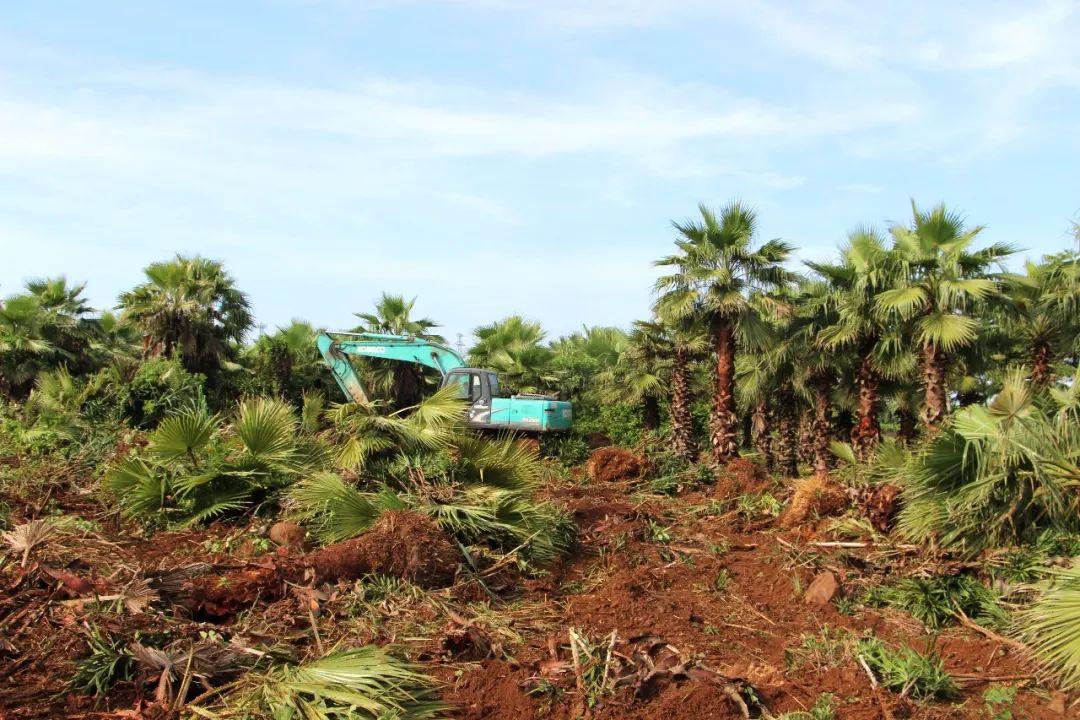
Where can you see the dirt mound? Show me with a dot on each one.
(402, 543)
(615, 465)
(495, 691)
(814, 496)
(740, 477)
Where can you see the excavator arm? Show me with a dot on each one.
(336, 346)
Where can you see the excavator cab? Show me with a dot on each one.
(477, 386)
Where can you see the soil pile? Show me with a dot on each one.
(615, 465)
(741, 476)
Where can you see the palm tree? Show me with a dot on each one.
(393, 315)
(864, 270)
(512, 347)
(42, 329)
(287, 362)
(939, 284)
(1041, 308)
(403, 382)
(637, 375)
(686, 340)
(582, 365)
(188, 307)
(819, 367)
(715, 271)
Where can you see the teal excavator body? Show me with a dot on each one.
(477, 386)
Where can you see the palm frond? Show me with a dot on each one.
(183, 434)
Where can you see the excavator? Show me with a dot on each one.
(486, 410)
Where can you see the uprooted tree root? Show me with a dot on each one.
(814, 496)
(740, 477)
(402, 543)
(615, 465)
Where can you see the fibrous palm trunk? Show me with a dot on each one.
(788, 432)
(909, 426)
(867, 430)
(822, 426)
(762, 434)
(806, 437)
(935, 402)
(723, 420)
(1040, 363)
(650, 413)
(682, 425)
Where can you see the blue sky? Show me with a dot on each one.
(503, 156)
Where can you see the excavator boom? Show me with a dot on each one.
(335, 346)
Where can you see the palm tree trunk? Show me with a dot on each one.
(723, 420)
(822, 426)
(867, 431)
(788, 432)
(935, 401)
(806, 436)
(1040, 363)
(650, 413)
(682, 424)
(908, 425)
(762, 434)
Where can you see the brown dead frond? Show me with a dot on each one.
(25, 538)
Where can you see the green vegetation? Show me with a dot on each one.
(908, 672)
(938, 601)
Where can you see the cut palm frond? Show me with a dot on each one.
(364, 682)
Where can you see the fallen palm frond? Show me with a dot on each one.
(502, 519)
(908, 672)
(24, 539)
(364, 682)
(1051, 626)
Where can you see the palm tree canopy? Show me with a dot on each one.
(393, 315)
(939, 277)
(718, 269)
(190, 305)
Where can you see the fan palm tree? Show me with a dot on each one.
(686, 340)
(393, 315)
(188, 307)
(582, 364)
(1042, 308)
(864, 270)
(287, 362)
(996, 475)
(403, 382)
(42, 329)
(637, 375)
(715, 271)
(513, 348)
(939, 285)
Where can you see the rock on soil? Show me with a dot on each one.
(402, 543)
(822, 590)
(615, 465)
